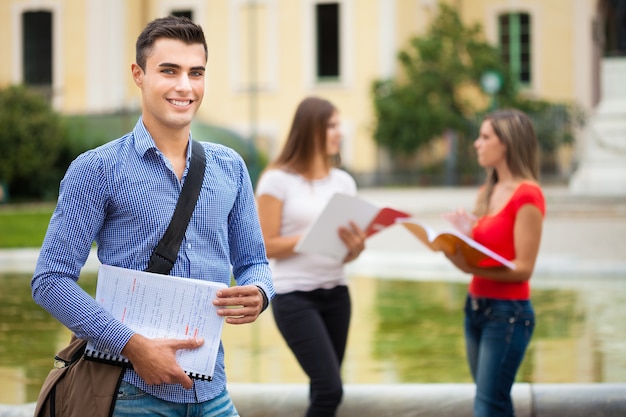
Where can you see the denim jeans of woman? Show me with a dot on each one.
(315, 326)
(131, 402)
(497, 333)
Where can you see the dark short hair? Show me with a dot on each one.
(170, 27)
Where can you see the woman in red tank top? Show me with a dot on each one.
(508, 219)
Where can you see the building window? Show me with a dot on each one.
(327, 41)
(37, 44)
(515, 45)
(613, 14)
(183, 13)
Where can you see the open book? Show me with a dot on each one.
(322, 237)
(158, 306)
(446, 241)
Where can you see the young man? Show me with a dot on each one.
(122, 196)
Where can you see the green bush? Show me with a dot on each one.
(31, 140)
(38, 144)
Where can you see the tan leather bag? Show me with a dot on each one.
(79, 387)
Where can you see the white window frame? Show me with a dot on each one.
(346, 44)
(106, 63)
(491, 32)
(269, 63)
(56, 9)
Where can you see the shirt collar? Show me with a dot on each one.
(144, 141)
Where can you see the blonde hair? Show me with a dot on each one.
(515, 130)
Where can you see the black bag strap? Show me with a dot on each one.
(164, 255)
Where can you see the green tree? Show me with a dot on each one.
(429, 98)
(439, 89)
(31, 139)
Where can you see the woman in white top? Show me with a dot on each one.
(312, 303)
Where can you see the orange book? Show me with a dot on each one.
(448, 240)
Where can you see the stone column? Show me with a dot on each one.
(602, 166)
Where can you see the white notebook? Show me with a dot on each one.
(322, 237)
(158, 306)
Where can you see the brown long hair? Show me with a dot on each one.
(307, 136)
(515, 130)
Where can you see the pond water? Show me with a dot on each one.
(403, 331)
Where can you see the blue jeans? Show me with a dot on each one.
(497, 333)
(315, 326)
(131, 402)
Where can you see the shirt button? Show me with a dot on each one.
(188, 245)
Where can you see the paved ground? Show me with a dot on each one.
(583, 236)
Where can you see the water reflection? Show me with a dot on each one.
(402, 331)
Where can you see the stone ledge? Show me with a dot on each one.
(417, 400)
(433, 400)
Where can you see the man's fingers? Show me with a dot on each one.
(239, 304)
(238, 296)
(237, 291)
(182, 344)
(189, 343)
(240, 320)
(186, 381)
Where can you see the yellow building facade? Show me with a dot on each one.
(266, 55)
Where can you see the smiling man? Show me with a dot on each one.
(122, 196)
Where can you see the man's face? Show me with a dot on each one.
(172, 85)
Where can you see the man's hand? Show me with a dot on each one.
(241, 304)
(154, 360)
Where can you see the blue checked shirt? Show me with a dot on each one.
(122, 196)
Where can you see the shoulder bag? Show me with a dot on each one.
(79, 387)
